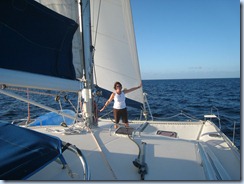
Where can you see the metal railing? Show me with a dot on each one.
(74, 149)
(213, 115)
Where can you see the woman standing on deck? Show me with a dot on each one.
(119, 107)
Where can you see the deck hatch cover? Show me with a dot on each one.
(167, 133)
(124, 130)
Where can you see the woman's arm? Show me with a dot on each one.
(108, 102)
(132, 89)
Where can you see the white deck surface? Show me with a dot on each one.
(110, 156)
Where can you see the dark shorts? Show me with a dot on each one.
(118, 113)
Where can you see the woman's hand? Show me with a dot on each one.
(132, 89)
(102, 109)
(107, 102)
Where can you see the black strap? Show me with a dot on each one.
(65, 147)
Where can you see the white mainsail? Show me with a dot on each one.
(115, 57)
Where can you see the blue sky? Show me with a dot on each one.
(181, 39)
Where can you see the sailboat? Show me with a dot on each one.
(80, 48)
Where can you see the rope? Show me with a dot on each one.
(61, 109)
(179, 114)
(66, 99)
(107, 114)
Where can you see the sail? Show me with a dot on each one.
(38, 41)
(70, 9)
(115, 57)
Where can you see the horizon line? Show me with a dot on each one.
(194, 78)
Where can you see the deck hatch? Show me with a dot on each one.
(124, 131)
(167, 133)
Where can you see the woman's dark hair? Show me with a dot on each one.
(117, 83)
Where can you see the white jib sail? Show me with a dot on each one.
(113, 37)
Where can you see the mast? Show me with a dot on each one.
(88, 60)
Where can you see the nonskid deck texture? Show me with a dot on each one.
(189, 156)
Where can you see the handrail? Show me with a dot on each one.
(140, 129)
(139, 162)
(213, 107)
(213, 115)
(78, 152)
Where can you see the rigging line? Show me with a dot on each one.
(61, 109)
(94, 70)
(106, 114)
(191, 117)
(98, 16)
(95, 41)
(167, 117)
(179, 114)
(76, 110)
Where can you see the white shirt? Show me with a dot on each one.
(119, 101)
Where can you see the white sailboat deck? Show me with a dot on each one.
(110, 156)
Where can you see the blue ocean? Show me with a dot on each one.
(193, 97)
(196, 97)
